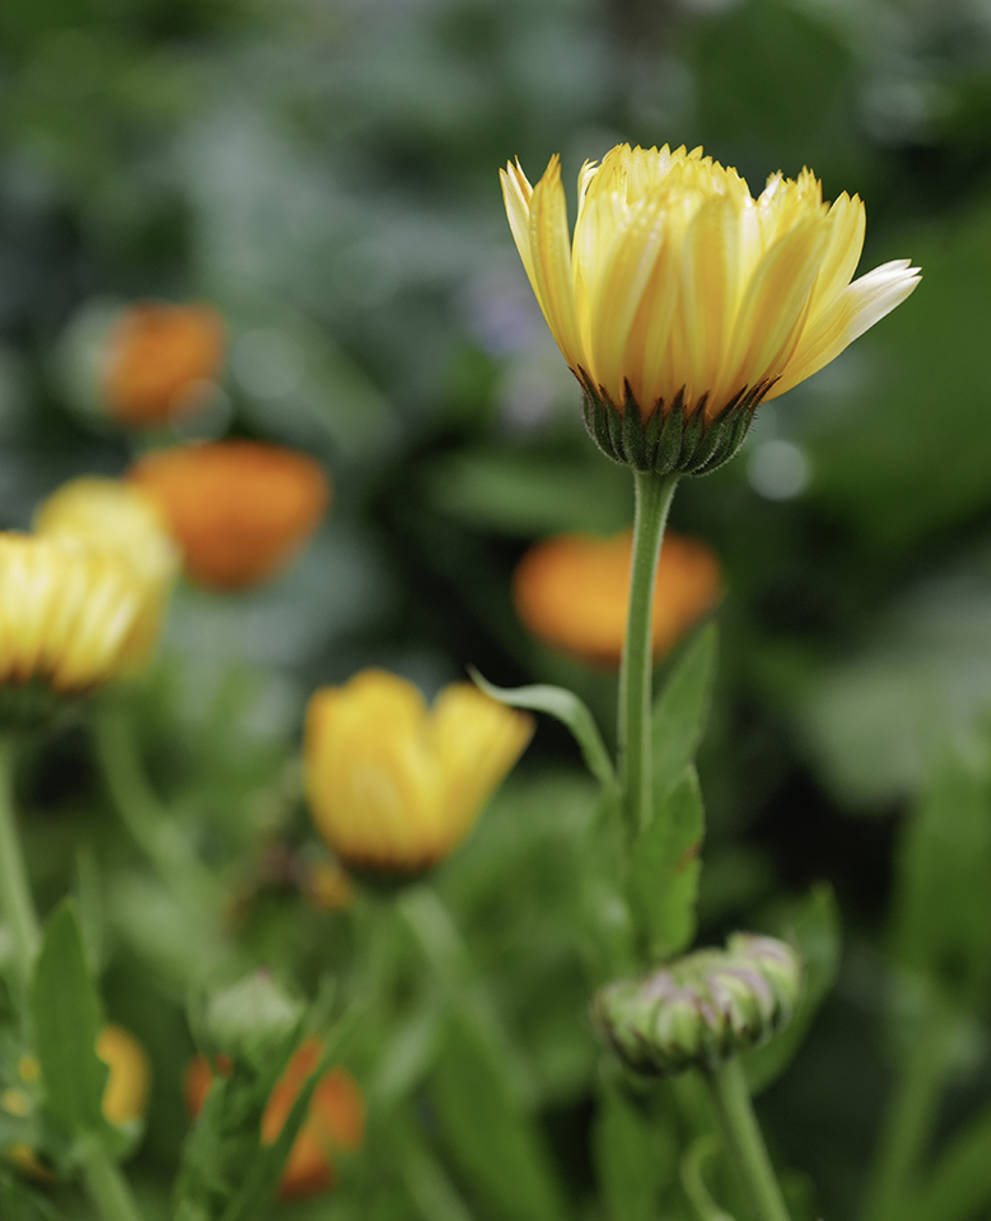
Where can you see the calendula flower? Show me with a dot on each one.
(395, 785)
(681, 301)
(238, 509)
(116, 516)
(158, 359)
(335, 1120)
(572, 591)
(68, 617)
(125, 1096)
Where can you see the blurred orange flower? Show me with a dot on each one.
(239, 509)
(157, 359)
(336, 1117)
(572, 592)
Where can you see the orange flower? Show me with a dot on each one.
(572, 592)
(239, 509)
(336, 1117)
(158, 357)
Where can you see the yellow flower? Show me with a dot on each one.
(125, 1096)
(239, 509)
(158, 359)
(115, 516)
(394, 785)
(68, 614)
(572, 591)
(682, 302)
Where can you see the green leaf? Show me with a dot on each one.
(65, 1012)
(958, 1186)
(664, 874)
(681, 710)
(565, 707)
(813, 928)
(942, 920)
(634, 1157)
(490, 1136)
(693, 1182)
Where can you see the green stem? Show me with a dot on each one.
(107, 1187)
(149, 823)
(743, 1139)
(653, 495)
(908, 1123)
(15, 893)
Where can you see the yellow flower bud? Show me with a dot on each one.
(238, 509)
(681, 302)
(69, 614)
(116, 516)
(393, 785)
(572, 591)
(125, 1096)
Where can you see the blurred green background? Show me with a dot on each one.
(324, 173)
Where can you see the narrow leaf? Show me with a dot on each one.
(813, 928)
(634, 1158)
(681, 710)
(565, 707)
(65, 1011)
(664, 877)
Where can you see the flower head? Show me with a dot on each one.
(68, 617)
(681, 301)
(157, 360)
(238, 509)
(118, 517)
(336, 1118)
(394, 785)
(572, 591)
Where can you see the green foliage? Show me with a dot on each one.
(664, 875)
(635, 1156)
(681, 711)
(66, 1022)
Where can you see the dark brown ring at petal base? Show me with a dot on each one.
(675, 438)
(34, 704)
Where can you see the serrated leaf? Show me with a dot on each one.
(664, 873)
(565, 707)
(813, 928)
(681, 710)
(66, 1017)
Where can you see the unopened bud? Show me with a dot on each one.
(702, 1008)
(252, 1019)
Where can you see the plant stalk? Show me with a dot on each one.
(15, 892)
(653, 495)
(107, 1187)
(743, 1140)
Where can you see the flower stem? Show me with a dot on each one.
(743, 1139)
(107, 1187)
(15, 893)
(653, 495)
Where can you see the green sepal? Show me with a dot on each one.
(675, 437)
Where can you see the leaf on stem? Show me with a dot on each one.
(664, 872)
(681, 710)
(565, 707)
(66, 1016)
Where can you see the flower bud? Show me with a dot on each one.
(703, 1008)
(251, 1019)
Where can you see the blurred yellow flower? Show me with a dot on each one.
(158, 359)
(116, 516)
(572, 591)
(68, 613)
(238, 509)
(394, 785)
(682, 301)
(125, 1096)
